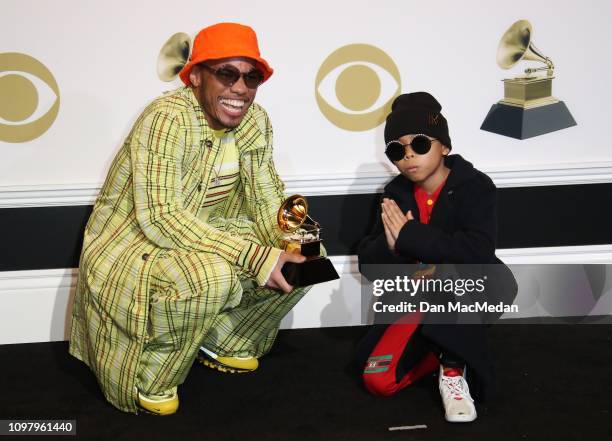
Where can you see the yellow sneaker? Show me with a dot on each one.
(233, 365)
(164, 404)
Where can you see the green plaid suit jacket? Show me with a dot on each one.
(148, 205)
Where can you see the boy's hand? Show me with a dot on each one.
(388, 236)
(393, 220)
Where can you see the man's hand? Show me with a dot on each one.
(277, 280)
(393, 221)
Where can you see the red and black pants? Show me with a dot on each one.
(392, 357)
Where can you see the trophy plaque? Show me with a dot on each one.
(302, 235)
(528, 108)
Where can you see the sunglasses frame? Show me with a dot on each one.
(418, 151)
(237, 74)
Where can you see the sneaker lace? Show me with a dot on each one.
(457, 387)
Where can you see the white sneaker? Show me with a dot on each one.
(458, 404)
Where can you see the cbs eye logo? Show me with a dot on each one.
(29, 98)
(353, 80)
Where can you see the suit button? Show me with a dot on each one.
(208, 143)
(145, 256)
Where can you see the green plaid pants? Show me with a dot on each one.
(200, 299)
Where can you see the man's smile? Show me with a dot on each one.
(233, 107)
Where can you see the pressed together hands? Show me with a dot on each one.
(393, 220)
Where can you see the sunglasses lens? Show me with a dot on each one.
(227, 75)
(253, 79)
(395, 151)
(420, 144)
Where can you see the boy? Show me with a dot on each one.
(440, 209)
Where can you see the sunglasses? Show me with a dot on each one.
(396, 151)
(229, 75)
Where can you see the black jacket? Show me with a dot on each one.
(462, 230)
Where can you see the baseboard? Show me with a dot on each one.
(35, 305)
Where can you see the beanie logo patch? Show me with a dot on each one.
(433, 120)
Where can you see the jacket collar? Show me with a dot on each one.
(187, 92)
(461, 171)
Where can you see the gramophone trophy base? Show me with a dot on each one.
(522, 123)
(312, 271)
(528, 109)
(528, 91)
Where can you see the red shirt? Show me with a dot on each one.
(426, 201)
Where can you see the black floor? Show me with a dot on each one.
(554, 383)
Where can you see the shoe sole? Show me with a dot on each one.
(221, 368)
(149, 412)
(460, 419)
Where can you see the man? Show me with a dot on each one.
(181, 253)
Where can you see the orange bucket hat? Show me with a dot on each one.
(225, 40)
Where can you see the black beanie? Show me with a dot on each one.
(417, 112)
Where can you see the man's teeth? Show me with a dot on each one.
(233, 104)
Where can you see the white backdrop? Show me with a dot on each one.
(103, 56)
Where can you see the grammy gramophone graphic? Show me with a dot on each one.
(528, 108)
(301, 234)
(174, 54)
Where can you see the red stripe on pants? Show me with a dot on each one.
(382, 376)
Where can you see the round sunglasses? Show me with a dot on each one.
(396, 151)
(228, 76)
